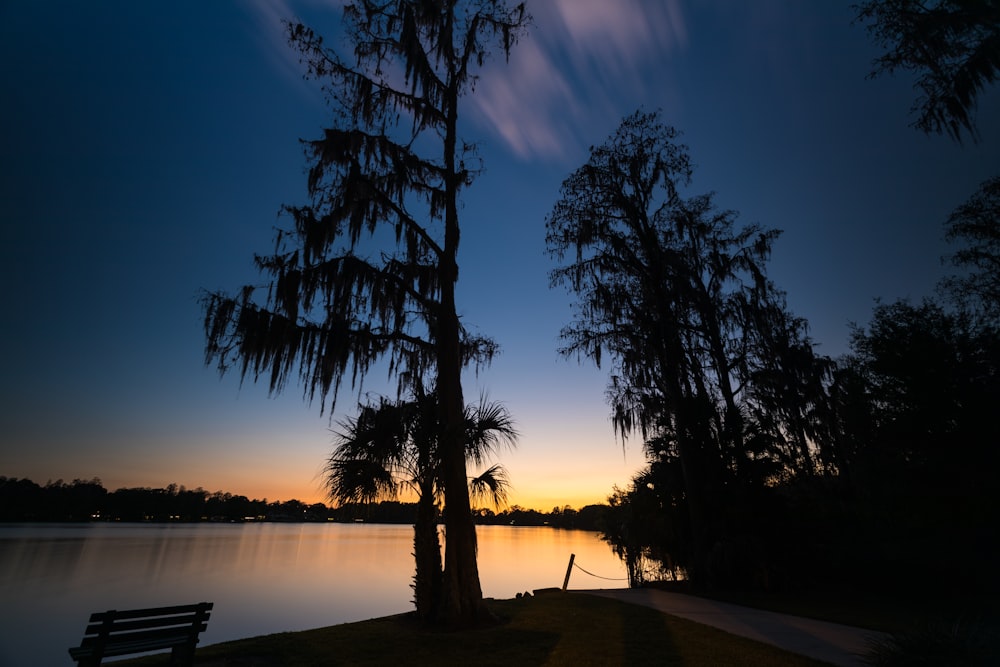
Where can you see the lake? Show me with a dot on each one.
(262, 577)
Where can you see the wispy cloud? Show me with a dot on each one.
(269, 17)
(269, 30)
(584, 61)
(614, 37)
(581, 62)
(534, 81)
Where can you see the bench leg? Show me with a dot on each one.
(182, 656)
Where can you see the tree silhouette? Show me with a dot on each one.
(954, 45)
(366, 274)
(391, 445)
(976, 224)
(788, 400)
(925, 463)
(678, 297)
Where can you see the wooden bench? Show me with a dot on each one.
(113, 633)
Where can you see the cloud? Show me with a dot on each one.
(584, 61)
(614, 37)
(521, 105)
(268, 17)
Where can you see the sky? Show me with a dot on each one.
(147, 147)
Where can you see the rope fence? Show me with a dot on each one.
(569, 570)
(577, 566)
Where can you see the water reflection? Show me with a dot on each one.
(263, 578)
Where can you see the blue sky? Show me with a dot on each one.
(147, 147)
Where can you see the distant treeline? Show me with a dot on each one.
(88, 500)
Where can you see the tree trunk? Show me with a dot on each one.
(427, 580)
(696, 460)
(463, 596)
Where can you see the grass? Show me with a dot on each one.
(573, 629)
(546, 629)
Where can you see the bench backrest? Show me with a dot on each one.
(114, 632)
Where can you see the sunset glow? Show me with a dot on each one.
(148, 148)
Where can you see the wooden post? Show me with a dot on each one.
(569, 570)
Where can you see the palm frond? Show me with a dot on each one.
(490, 486)
(489, 427)
(359, 481)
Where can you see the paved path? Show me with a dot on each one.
(830, 642)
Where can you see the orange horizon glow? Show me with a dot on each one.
(576, 464)
(529, 498)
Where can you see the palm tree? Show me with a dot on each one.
(392, 446)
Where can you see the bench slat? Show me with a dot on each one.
(124, 648)
(152, 611)
(150, 634)
(141, 623)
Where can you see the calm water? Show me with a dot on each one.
(263, 578)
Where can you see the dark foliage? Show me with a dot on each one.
(958, 642)
(706, 363)
(23, 500)
(923, 471)
(952, 45)
(975, 225)
(88, 500)
(395, 445)
(81, 500)
(770, 467)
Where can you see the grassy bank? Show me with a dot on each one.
(547, 629)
